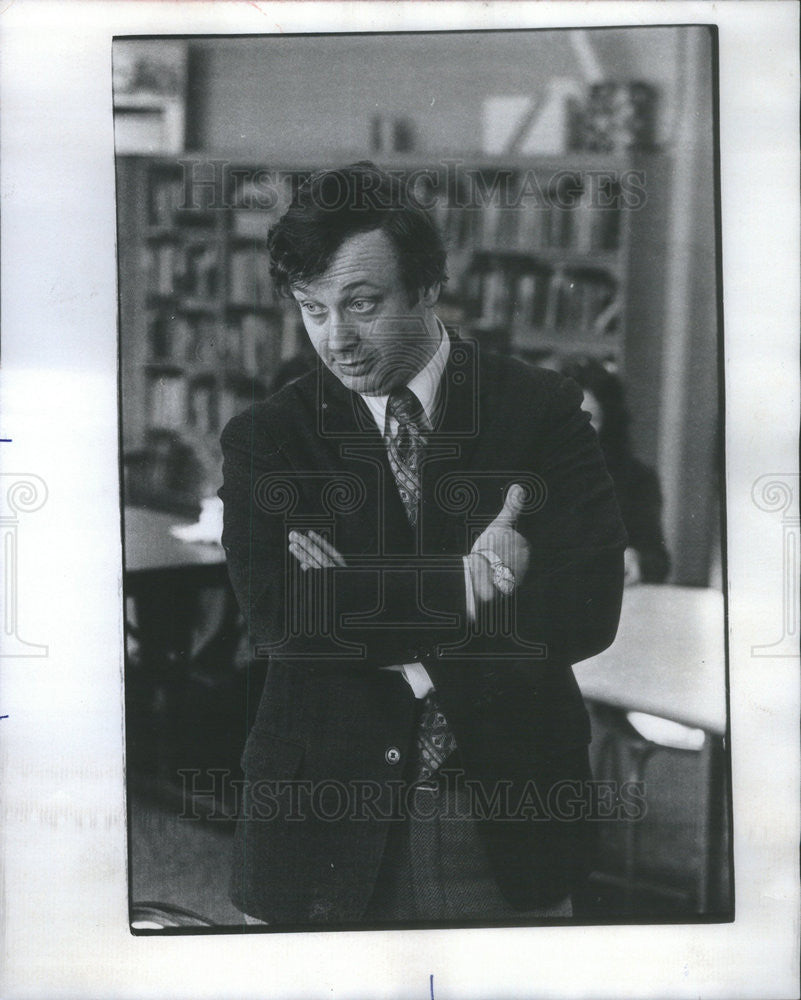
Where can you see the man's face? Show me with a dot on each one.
(360, 319)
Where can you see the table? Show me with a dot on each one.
(150, 547)
(669, 660)
(183, 629)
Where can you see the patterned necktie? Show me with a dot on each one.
(406, 446)
(434, 740)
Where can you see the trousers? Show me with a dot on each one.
(435, 868)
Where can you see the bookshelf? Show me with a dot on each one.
(543, 260)
(556, 255)
(201, 332)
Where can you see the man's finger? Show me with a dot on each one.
(328, 548)
(303, 547)
(512, 506)
(318, 548)
(303, 557)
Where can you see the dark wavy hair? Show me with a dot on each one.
(333, 205)
(608, 390)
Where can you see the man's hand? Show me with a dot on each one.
(502, 538)
(313, 551)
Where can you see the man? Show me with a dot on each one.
(423, 539)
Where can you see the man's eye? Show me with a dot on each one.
(313, 308)
(361, 305)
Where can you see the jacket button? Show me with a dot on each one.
(392, 755)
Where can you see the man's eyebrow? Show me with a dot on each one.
(358, 283)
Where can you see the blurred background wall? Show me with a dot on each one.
(300, 96)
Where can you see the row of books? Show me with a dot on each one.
(182, 269)
(182, 338)
(193, 271)
(584, 304)
(578, 228)
(252, 344)
(515, 207)
(249, 343)
(166, 197)
(576, 224)
(211, 407)
(189, 194)
(249, 277)
(518, 290)
(176, 403)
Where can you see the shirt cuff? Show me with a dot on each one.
(470, 597)
(416, 676)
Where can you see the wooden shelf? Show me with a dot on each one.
(601, 260)
(182, 303)
(454, 160)
(263, 308)
(563, 342)
(166, 365)
(163, 234)
(197, 218)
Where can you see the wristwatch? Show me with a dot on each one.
(502, 576)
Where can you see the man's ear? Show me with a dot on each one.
(430, 296)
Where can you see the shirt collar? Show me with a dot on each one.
(424, 384)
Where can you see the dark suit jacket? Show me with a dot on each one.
(330, 723)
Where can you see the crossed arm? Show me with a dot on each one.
(314, 552)
(567, 561)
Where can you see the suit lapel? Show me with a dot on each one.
(447, 485)
(351, 439)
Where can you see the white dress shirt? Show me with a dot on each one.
(425, 386)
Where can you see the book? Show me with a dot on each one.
(202, 407)
(166, 401)
(166, 195)
(242, 277)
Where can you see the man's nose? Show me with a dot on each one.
(342, 335)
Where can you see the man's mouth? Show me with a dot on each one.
(352, 366)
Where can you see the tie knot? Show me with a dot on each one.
(406, 408)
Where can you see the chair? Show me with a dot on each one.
(686, 807)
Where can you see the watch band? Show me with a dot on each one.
(502, 576)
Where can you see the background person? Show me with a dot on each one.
(636, 484)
